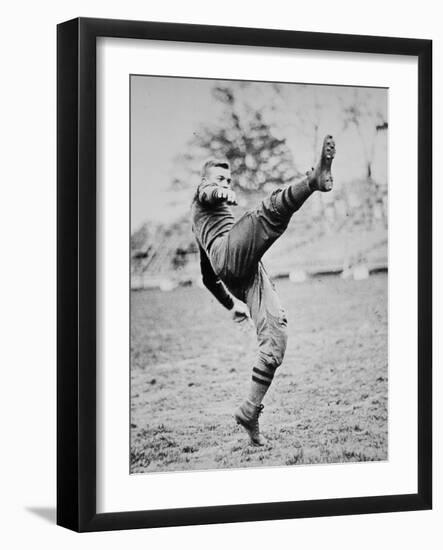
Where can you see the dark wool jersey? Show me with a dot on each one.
(211, 218)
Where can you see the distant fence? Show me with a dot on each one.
(352, 255)
(170, 282)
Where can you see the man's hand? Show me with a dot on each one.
(240, 312)
(226, 195)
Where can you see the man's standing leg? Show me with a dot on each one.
(271, 326)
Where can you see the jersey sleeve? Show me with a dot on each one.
(213, 283)
(206, 194)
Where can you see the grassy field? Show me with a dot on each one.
(191, 366)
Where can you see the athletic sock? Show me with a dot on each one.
(261, 380)
(292, 197)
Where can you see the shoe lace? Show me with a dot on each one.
(255, 425)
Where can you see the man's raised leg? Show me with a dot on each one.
(252, 235)
(291, 199)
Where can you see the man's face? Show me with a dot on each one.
(217, 175)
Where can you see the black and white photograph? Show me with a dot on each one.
(258, 274)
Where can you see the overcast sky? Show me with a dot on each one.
(164, 113)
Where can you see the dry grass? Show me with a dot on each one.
(191, 366)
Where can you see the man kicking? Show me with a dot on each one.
(230, 259)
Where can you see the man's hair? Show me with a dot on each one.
(220, 163)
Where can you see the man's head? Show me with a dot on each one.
(217, 172)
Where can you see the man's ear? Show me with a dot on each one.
(204, 180)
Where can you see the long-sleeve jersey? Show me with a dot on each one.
(211, 219)
(213, 283)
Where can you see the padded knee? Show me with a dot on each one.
(272, 345)
(281, 339)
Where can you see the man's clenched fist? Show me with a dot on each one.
(240, 312)
(226, 195)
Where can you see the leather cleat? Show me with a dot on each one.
(247, 417)
(320, 179)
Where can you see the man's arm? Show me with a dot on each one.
(213, 283)
(207, 194)
(212, 194)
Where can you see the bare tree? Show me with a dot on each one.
(260, 159)
(365, 112)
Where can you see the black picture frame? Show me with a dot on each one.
(76, 274)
